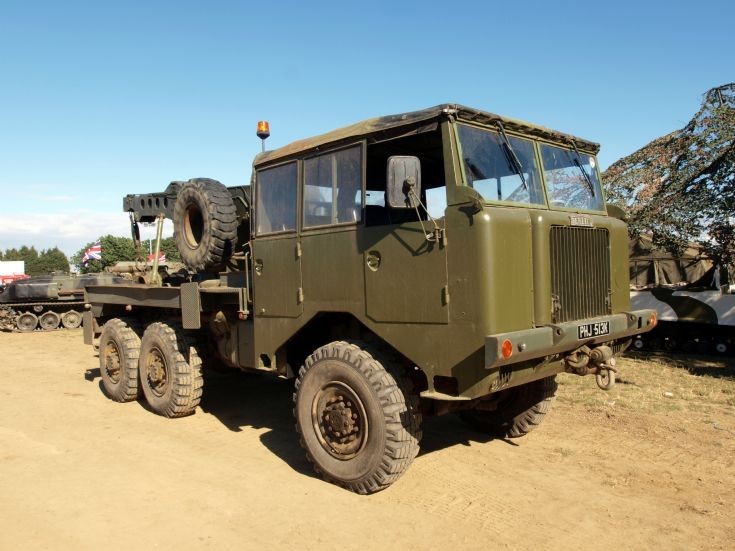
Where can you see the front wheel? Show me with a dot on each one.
(519, 410)
(359, 422)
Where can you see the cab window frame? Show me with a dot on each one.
(259, 211)
(361, 146)
(511, 134)
(603, 199)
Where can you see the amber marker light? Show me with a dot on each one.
(264, 129)
(652, 319)
(506, 349)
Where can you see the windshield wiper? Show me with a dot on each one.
(511, 155)
(577, 162)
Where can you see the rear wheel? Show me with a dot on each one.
(359, 423)
(519, 410)
(170, 370)
(119, 351)
(26, 322)
(71, 319)
(49, 321)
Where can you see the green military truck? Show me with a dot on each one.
(444, 260)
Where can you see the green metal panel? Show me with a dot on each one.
(134, 295)
(405, 275)
(277, 278)
(327, 289)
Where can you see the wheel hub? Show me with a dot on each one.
(339, 420)
(156, 372)
(112, 362)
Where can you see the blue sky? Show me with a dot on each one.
(99, 99)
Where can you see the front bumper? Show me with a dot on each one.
(535, 343)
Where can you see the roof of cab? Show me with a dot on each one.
(379, 128)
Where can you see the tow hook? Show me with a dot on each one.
(598, 360)
(602, 358)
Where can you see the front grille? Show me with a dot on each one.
(580, 273)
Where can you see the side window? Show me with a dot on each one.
(333, 188)
(276, 199)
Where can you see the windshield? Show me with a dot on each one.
(566, 184)
(490, 169)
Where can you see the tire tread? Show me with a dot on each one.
(399, 405)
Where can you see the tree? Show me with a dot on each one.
(681, 186)
(114, 249)
(48, 261)
(120, 249)
(168, 246)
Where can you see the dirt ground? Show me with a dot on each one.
(649, 465)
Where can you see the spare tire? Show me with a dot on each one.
(205, 224)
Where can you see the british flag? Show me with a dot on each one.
(93, 253)
(161, 258)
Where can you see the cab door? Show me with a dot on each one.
(405, 275)
(276, 251)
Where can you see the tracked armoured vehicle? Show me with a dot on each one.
(693, 297)
(445, 260)
(47, 302)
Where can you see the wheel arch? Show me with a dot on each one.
(326, 327)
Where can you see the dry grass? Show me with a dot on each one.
(659, 384)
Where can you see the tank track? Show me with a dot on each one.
(688, 338)
(10, 312)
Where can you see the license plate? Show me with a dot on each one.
(590, 330)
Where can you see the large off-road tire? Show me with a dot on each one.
(170, 370)
(119, 351)
(519, 410)
(358, 419)
(205, 224)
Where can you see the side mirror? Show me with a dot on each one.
(403, 182)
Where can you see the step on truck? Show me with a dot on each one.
(447, 260)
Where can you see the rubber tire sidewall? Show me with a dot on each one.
(519, 401)
(369, 458)
(204, 256)
(127, 388)
(184, 383)
(151, 339)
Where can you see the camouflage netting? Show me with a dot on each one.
(681, 187)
